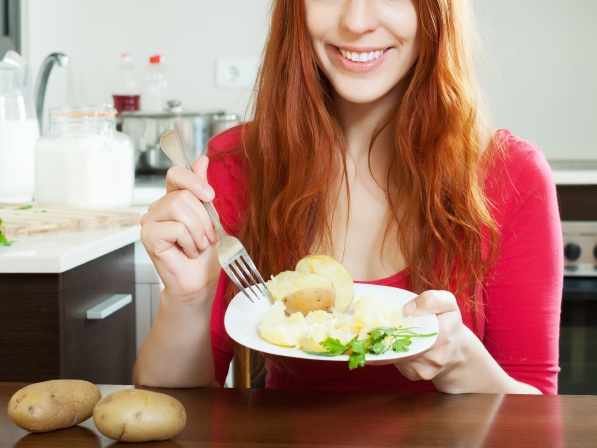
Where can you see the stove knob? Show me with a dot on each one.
(572, 251)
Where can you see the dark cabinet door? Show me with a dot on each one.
(45, 332)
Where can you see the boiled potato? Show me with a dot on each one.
(288, 282)
(336, 272)
(310, 299)
(319, 282)
(54, 404)
(137, 415)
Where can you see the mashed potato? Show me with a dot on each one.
(306, 333)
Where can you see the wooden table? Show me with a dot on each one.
(265, 418)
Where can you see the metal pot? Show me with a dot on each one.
(145, 128)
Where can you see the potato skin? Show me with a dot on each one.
(310, 299)
(53, 404)
(332, 269)
(137, 415)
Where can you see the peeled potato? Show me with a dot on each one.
(310, 299)
(336, 272)
(288, 282)
(137, 415)
(54, 404)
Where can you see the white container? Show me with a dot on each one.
(19, 131)
(83, 161)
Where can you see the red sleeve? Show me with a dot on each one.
(523, 292)
(227, 175)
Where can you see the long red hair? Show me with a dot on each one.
(441, 154)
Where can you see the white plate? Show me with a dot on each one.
(243, 317)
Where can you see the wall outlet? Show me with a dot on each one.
(236, 73)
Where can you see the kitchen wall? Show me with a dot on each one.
(538, 69)
(191, 33)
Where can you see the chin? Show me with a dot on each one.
(362, 96)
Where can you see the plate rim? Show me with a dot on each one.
(241, 301)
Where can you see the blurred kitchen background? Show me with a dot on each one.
(193, 35)
(538, 71)
(538, 68)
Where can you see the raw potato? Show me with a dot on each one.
(310, 299)
(54, 404)
(137, 415)
(332, 269)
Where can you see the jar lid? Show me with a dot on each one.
(101, 111)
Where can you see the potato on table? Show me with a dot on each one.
(54, 404)
(137, 415)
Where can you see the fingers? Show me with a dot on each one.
(170, 233)
(182, 211)
(178, 178)
(431, 302)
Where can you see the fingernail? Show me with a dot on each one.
(205, 242)
(409, 308)
(209, 193)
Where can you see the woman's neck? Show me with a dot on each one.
(359, 121)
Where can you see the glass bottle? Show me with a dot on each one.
(84, 161)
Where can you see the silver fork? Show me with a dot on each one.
(232, 255)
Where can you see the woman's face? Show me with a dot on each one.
(364, 47)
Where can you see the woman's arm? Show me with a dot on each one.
(180, 239)
(522, 294)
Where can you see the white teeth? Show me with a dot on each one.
(361, 57)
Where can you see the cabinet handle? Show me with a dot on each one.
(109, 306)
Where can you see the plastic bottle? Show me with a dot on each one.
(126, 91)
(155, 97)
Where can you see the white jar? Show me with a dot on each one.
(84, 161)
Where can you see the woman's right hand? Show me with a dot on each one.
(179, 236)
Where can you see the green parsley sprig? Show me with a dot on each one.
(3, 240)
(379, 340)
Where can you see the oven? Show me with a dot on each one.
(578, 337)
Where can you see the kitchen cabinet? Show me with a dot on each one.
(45, 332)
(47, 286)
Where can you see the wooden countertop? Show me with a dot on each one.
(270, 418)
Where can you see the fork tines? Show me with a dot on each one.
(243, 272)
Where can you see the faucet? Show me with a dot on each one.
(42, 81)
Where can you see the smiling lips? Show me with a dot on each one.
(365, 56)
(360, 61)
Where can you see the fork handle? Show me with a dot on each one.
(213, 215)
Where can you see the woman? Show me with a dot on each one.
(368, 143)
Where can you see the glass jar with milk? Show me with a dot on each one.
(84, 161)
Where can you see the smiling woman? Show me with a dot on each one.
(368, 51)
(368, 144)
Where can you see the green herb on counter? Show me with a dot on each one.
(379, 341)
(25, 207)
(3, 240)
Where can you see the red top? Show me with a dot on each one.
(521, 295)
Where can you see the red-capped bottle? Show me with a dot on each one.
(155, 96)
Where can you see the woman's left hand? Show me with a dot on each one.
(447, 352)
(457, 362)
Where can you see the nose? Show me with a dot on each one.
(359, 16)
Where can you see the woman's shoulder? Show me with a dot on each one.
(226, 141)
(517, 162)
